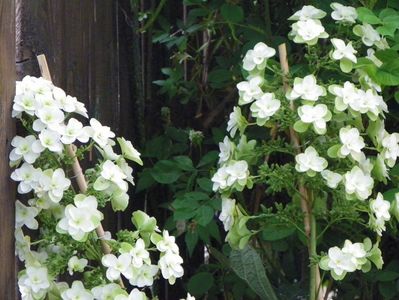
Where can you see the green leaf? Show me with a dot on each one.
(200, 283)
(274, 232)
(204, 215)
(219, 78)
(145, 180)
(333, 151)
(208, 159)
(388, 289)
(191, 239)
(387, 74)
(387, 12)
(205, 184)
(365, 15)
(390, 194)
(300, 127)
(387, 55)
(232, 13)
(247, 264)
(387, 275)
(165, 172)
(387, 30)
(345, 65)
(184, 163)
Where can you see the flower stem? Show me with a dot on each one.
(313, 286)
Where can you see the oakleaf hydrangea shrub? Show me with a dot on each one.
(327, 149)
(56, 227)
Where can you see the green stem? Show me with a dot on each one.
(153, 17)
(313, 266)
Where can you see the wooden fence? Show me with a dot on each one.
(7, 195)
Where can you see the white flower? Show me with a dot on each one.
(249, 90)
(345, 96)
(139, 254)
(391, 148)
(227, 213)
(257, 57)
(81, 218)
(28, 177)
(79, 106)
(60, 98)
(368, 34)
(236, 121)
(116, 265)
(25, 215)
(111, 173)
(170, 265)
(317, 115)
(343, 14)
(126, 169)
(77, 292)
(308, 32)
(76, 264)
(189, 297)
(226, 149)
(358, 183)
(110, 291)
(307, 12)
(143, 276)
(53, 184)
(167, 243)
(128, 151)
(306, 88)
(234, 173)
(352, 143)
(24, 102)
(340, 262)
(22, 244)
(265, 107)
(48, 139)
(135, 294)
(332, 178)
(50, 116)
(344, 53)
(380, 208)
(310, 162)
(35, 279)
(23, 149)
(74, 130)
(373, 58)
(355, 249)
(100, 134)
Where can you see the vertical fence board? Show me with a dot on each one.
(7, 88)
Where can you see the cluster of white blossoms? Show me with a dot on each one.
(346, 114)
(43, 169)
(352, 257)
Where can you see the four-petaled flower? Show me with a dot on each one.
(310, 162)
(306, 88)
(257, 57)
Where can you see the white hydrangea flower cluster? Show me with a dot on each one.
(345, 114)
(42, 164)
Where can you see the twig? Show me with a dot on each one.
(306, 195)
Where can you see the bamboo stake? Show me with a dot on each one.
(306, 195)
(77, 169)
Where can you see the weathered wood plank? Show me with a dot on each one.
(7, 200)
